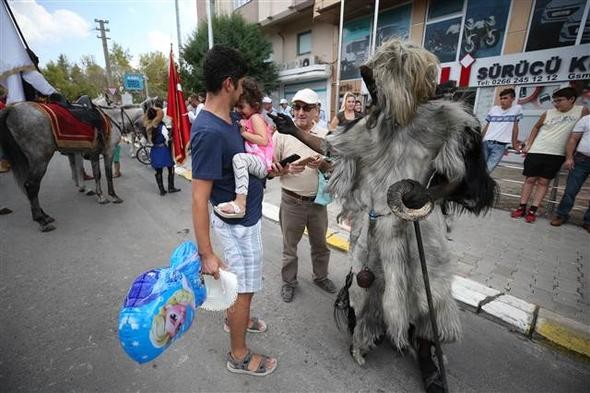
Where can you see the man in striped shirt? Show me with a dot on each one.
(501, 129)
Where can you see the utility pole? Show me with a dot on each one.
(105, 48)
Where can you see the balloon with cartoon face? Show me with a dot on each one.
(161, 304)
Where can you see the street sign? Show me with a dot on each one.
(112, 90)
(133, 82)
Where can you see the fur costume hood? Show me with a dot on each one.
(155, 121)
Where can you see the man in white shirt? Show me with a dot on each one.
(501, 129)
(299, 183)
(578, 164)
(195, 106)
(285, 108)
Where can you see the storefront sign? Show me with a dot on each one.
(551, 65)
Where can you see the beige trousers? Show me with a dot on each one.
(296, 214)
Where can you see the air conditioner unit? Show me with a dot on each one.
(307, 61)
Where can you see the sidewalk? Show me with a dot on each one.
(535, 278)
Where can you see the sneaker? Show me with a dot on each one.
(530, 217)
(287, 293)
(327, 285)
(557, 221)
(520, 212)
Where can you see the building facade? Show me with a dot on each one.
(535, 46)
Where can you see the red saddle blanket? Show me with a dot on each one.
(69, 132)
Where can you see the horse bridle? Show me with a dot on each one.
(123, 115)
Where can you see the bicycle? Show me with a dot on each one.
(143, 154)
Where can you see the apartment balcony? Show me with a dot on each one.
(303, 69)
(279, 12)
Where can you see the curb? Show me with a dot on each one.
(525, 318)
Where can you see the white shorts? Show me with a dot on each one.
(242, 251)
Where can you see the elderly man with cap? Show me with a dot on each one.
(299, 183)
(285, 108)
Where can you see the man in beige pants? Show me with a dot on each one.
(299, 182)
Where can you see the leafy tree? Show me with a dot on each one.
(154, 65)
(120, 63)
(233, 31)
(96, 75)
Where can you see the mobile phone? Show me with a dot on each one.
(290, 159)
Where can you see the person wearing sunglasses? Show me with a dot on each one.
(299, 183)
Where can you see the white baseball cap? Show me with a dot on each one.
(267, 100)
(307, 96)
(284, 101)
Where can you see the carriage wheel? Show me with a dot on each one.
(143, 155)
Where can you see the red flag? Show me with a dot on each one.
(177, 112)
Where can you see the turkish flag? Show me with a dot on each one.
(176, 110)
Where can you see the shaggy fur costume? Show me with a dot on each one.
(407, 136)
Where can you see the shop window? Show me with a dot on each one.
(394, 23)
(304, 43)
(484, 28)
(556, 23)
(442, 39)
(356, 37)
(586, 34)
(479, 31)
(442, 8)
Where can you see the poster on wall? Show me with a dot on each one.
(539, 97)
(441, 38)
(484, 28)
(356, 37)
(555, 23)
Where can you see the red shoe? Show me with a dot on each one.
(530, 217)
(520, 212)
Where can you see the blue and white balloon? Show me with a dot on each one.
(161, 305)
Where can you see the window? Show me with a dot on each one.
(238, 3)
(304, 43)
(456, 28)
(356, 37)
(484, 28)
(556, 23)
(443, 8)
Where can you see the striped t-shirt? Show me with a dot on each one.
(501, 123)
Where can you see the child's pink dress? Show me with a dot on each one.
(265, 153)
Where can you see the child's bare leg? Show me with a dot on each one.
(243, 165)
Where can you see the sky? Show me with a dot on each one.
(54, 27)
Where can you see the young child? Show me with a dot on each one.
(257, 160)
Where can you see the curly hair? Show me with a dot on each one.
(252, 93)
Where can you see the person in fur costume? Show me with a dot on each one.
(437, 145)
(160, 155)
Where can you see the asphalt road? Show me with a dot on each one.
(60, 293)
